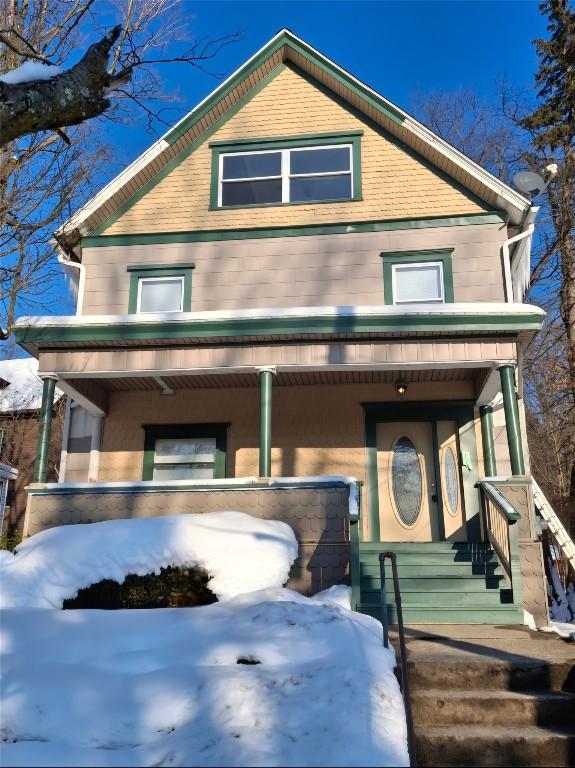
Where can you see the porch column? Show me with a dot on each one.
(43, 447)
(265, 376)
(486, 414)
(512, 423)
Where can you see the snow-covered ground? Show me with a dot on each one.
(171, 687)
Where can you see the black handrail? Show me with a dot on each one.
(402, 651)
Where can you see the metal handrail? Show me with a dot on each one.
(404, 684)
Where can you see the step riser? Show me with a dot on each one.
(514, 749)
(479, 600)
(495, 676)
(437, 584)
(431, 615)
(424, 570)
(433, 558)
(441, 710)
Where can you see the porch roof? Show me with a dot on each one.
(519, 321)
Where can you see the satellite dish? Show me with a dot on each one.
(529, 183)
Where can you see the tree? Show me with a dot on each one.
(55, 154)
(501, 138)
(552, 129)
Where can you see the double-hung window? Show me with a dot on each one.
(314, 172)
(160, 288)
(185, 452)
(418, 277)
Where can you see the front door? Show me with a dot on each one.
(419, 481)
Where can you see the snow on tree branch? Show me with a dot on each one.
(68, 98)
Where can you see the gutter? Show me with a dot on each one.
(517, 273)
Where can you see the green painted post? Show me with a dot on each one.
(512, 423)
(41, 465)
(265, 377)
(486, 414)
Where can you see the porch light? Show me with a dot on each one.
(401, 389)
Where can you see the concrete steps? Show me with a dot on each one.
(475, 746)
(504, 697)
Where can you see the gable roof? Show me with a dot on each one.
(285, 47)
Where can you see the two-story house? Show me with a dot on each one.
(298, 299)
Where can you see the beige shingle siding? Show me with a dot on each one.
(297, 271)
(395, 183)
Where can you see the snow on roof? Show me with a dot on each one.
(24, 391)
(30, 70)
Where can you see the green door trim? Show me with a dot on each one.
(153, 432)
(433, 411)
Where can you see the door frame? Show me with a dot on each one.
(460, 411)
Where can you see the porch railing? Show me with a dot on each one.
(499, 519)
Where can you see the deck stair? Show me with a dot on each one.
(440, 582)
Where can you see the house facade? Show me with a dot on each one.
(302, 304)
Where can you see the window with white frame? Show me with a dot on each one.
(418, 283)
(294, 175)
(160, 294)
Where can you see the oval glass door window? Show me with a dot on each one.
(451, 480)
(406, 480)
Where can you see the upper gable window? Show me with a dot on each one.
(308, 170)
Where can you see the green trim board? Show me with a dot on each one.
(257, 233)
(432, 411)
(288, 142)
(154, 432)
(57, 489)
(160, 270)
(442, 255)
(300, 325)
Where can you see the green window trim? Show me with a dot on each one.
(442, 255)
(138, 271)
(153, 432)
(291, 142)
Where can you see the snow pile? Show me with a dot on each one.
(266, 679)
(240, 552)
(30, 70)
(561, 602)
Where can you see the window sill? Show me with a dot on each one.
(282, 205)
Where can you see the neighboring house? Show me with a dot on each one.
(300, 235)
(20, 402)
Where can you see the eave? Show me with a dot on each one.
(520, 321)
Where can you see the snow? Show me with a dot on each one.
(561, 604)
(170, 687)
(240, 552)
(564, 629)
(24, 390)
(30, 70)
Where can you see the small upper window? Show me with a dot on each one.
(294, 175)
(160, 294)
(418, 283)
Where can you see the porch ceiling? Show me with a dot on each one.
(290, 379)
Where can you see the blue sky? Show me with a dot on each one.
(399, 48)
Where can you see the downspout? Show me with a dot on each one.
(507, 260)
(64, 259)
